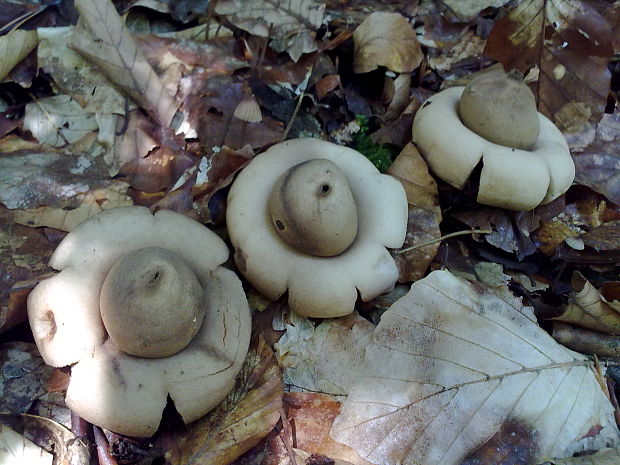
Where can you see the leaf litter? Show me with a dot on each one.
(153, 118)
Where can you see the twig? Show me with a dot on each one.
(286, 435)
(447, 236)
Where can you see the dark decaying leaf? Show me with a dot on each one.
(247, 415)
(586, 341)
(23, 378)
(569, 42)
(24, 253)
(598, 165)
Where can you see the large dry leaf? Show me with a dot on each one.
(290, 23)
(424, 214)
(450, 363)
(570, 43)
(14, 47)
(386, 39)
(107, 44)
(588, 308)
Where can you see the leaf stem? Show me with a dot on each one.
(447, 236)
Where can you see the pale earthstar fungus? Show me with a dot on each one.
(525, 158)
(141, 310)
(315, 218)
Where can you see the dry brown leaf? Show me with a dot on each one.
(424, 213)
(570, 43)
(386, 39)
(93, 203)
(326, 358)
(450, 363)
(313, 415)
(588, 308)
(291, 24)
(14, 47)
(247, 415)
(107, 44)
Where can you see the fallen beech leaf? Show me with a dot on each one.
(551, 234)
(291, 24)
(313, 415)
(570, 43)
(588, 308)
(324, 359)
(108, 45)
(424, 213)
(386, 39)
(247, 415)
(602, 457)
(14, 47)
(586, 341)
(450, 363)
(17, 450)
(93, 203)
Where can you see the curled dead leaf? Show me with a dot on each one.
(386, 39)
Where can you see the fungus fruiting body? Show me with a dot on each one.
(525, 158)
(315, 218)
(142, 310)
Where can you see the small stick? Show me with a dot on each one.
(447, 236)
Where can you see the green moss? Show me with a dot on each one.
(380, 155)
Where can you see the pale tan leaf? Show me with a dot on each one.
(386, 39)
(450, 363)
(58, 120)
(326, 358)
(14, 47)
(106, 42)
(291, 24)
(93, 203)
(602, 457)
(17, 450)
(588, 308)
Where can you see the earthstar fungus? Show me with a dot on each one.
(315, 218)
(125, 276)
(525, 158)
